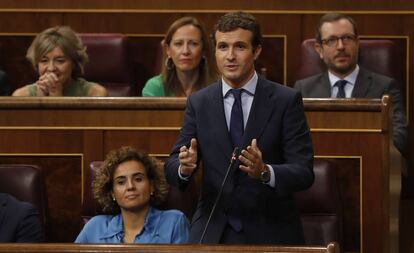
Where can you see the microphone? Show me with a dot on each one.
(235, 154)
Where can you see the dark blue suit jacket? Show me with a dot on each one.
(269, 215)
(19, 221)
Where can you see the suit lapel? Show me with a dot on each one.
(262, 108)
(325, 88)
(260, 111)
(217, 108)
(362, 84)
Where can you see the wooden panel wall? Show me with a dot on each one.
(263, 5)
(63, 135)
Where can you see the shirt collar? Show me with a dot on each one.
(116, 228)
(351, 78)
(249, 87)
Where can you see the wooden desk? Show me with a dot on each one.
(63, 135)
(357, 134)
(159, 248)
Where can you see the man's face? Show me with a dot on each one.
(339, 47)
(235, 56)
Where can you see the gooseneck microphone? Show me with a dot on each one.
(235, 154)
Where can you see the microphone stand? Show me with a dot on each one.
(233, 160)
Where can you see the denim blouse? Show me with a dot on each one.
(170, 226)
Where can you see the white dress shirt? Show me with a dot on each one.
(349, 87)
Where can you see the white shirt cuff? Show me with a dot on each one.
(272, 181)
(185, 178)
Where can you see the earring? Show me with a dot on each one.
(169, 64)
(113, 198)
(152, 193)
(203, 61)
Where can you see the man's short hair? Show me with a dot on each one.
(234, 20)
(332, 17)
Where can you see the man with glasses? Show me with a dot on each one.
(337, 45)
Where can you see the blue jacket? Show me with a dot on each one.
(169, 226)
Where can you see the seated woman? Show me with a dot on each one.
(128, 186)
(58, 56)
(189, 62)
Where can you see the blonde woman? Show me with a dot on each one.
(58, 56)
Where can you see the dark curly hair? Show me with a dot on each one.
(103, 183)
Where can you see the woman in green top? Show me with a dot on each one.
(58, 56)
(189, 62)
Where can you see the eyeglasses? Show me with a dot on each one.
(333, 41)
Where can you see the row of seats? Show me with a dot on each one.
(319, 205)
(109, 61)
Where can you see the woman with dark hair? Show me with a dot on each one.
(189, 61)
(128, 186)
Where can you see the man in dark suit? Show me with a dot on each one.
(264, 119)
(337, 45)
(19, 221)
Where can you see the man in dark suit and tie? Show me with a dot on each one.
(266, 121)
(19, 221)
(337, 45)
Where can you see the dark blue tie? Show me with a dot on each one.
(236, 119)
(341, 88)
(236, 133)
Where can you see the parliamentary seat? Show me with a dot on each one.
(26, 183)
(109, 63)
(320, 206)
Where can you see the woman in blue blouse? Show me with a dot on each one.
(128, 186)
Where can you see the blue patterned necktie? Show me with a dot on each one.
(236, 119)
(341, 88)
